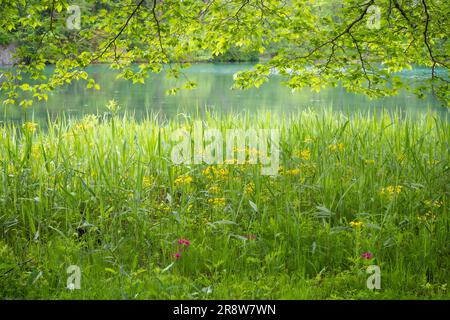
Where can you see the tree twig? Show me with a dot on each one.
(347, 30)
(120, 31)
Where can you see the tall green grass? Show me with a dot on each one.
(103, 194)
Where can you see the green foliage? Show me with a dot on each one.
(101, 193)
(6, 38)
(234, 54)
(311, 43)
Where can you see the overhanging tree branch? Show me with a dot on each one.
(120, 31)
(361, 59)
(347, 30)
(403, 13)
(158, 29)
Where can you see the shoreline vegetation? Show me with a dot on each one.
(101, 193)
(232, 55)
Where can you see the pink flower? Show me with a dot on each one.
(184, 242)
(367, 255)
(177, 255)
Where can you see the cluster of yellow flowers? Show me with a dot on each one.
(306, 169)
(369, 161)
(130, 195)
(250, 155)
(249, 188)
(336, 147)
(217, 202)
(81, 127)
(29, 126)
(215, 172)
(303, 154)
(147, 181)
(428, 216)
(356, 224)
(11, 169)
(36, 152)
(292, 172)
(214, 189)
(247, 150)
(163, 206)
(435, 204)
(230, 161)
(182, 180)
(391, 191)
(88, 122)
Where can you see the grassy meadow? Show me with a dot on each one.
(103, 194)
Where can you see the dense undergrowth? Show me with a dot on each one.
(103, 194)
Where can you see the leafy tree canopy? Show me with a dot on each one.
(359, 43)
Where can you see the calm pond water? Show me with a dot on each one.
(213, 92)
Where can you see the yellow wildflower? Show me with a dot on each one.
(11, 169)
(90, 118)
(147, 181)
(214, 189)
(304, 154)
(336, 147)
(428, 216)
(391, 191)
(30, 126)
(81, 127)
(207, 171)
(292, 172)
(253, 151)
(163, 206)
(369, 161)
(217, 202)
(249, 188)
(181, 180)
(356, 224)
(35, 152)
(436, 204)
(213, 172)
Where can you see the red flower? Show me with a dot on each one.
(367, 255)
(183, 245)
(184, 242)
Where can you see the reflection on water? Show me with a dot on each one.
(213, 92)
